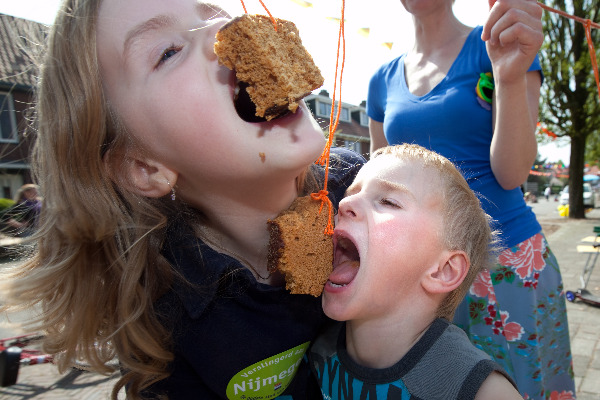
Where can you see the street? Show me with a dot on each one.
(44, 382)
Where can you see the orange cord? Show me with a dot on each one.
(588, 24)
(266, 9)
(324, 159)
(588, 36)
(268, 12)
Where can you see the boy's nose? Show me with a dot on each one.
(347, 208)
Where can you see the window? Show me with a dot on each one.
(8, 129)
(323, 109)
(352, 145)
(344, 115)
(364, 119)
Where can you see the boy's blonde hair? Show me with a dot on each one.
(466, 227)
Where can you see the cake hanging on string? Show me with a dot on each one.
(274, 70)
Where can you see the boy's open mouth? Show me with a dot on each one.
(246, 108)
(346, 262)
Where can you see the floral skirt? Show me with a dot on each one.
(517, 314)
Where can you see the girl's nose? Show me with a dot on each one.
(209, 36)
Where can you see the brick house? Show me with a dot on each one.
(17, 82)
(353, 127)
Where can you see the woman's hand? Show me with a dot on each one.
(513, 34)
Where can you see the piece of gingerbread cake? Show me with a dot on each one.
(275, 69)
(299, 248)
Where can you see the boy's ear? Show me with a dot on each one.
(448, 274)
(144, 176)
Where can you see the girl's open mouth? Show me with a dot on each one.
(246, 108)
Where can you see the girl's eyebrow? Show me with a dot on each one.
(153, 24)
(218, 11)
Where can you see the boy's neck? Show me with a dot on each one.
(381, 344)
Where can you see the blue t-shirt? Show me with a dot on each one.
(452, 120)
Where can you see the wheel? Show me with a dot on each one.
(570, 296)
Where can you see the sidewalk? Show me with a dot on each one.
(43, 382)
(564, 235)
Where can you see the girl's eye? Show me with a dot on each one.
(168, 53)
(389, 202)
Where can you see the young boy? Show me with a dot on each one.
(410, 238)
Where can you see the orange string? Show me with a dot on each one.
(268, 12)
(324, 159)
(266, 9)
(244, 7)
(322, 195)
(588, 35)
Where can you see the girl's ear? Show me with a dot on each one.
(144, 175)
(448, 274)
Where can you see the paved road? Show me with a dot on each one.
(43, 382)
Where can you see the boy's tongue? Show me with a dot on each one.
(345, 272)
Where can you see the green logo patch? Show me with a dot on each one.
(266, 379)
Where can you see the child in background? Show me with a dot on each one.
(153, 240)
(410, 238)
(22, 218)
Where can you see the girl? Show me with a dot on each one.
(153, 239)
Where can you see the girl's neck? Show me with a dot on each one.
(238, 225)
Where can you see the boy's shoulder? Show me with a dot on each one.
(442, 361)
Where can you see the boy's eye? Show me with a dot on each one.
(389, 202)
(168, 53)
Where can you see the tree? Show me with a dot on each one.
(570, 105)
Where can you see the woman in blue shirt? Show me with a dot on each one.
(471, 94)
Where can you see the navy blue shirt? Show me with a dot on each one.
(233, 337)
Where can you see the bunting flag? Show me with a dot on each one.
(540, 173)
(303, 3)
(541, 129)
(364, 32)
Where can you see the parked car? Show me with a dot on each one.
(588, 196)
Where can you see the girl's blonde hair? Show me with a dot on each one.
(97, 268)
(466, 227)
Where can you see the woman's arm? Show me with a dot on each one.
(514, 146)
(377, 136)
(513, 35)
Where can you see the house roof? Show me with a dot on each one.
(17, 41)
